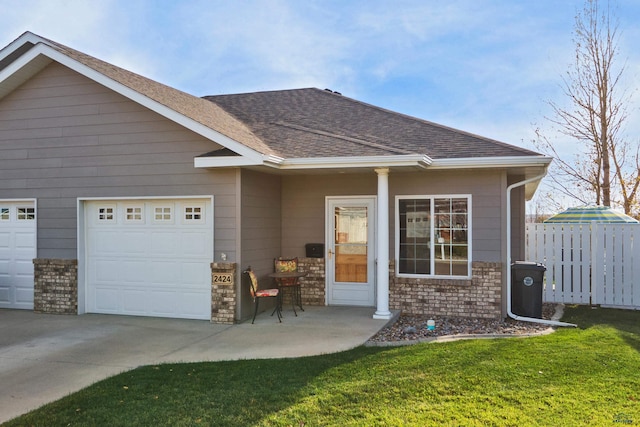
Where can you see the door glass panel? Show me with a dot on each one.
(350, 240)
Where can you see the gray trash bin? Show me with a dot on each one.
(526, 288)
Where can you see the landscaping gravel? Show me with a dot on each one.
(413, 328)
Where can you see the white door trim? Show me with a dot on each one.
(82, 238)
(369, 201)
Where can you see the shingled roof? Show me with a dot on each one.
(312, 122)
(270, 127)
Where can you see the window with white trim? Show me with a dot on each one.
(26, 214)
(4, 214)
(433, 236)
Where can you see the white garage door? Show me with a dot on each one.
(17, 251)
(149, 257)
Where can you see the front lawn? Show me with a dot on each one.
(584, 376)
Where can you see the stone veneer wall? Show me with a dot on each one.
(480, 297)
(312, 286)
(223, 292)
(55, 286)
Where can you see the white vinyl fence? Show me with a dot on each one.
(595, 263)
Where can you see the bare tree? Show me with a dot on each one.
(606, 169)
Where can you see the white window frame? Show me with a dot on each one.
(105, 219)
(434, 244)
(163, 213)
(29, 213)
(192, 220)
(127, 219)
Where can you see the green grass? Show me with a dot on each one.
(583, 376)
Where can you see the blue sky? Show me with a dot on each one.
(483, 66)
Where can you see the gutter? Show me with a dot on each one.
(509, 261)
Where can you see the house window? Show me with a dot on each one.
(433, 236)
(106, 214)
(26, 214)
(4, 214)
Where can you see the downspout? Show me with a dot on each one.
(509, 312)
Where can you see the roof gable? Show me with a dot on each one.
(30, 53)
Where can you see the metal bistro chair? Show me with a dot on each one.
(257, 294)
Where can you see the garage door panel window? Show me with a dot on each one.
(134, 215)
(26, 214)
(193, 214)
(4, 214)
(433, 235)
(107, 214)
(163, 214)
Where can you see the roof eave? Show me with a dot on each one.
(419, 161)
(316, 163)
(414, 161)
(492, 162)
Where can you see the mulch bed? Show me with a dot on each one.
(413, 328)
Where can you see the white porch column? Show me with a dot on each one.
(382, 234)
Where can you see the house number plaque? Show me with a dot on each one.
(223, 278)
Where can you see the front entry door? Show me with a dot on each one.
(351, 251)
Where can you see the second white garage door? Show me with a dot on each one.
(17, 251)
(149, 257)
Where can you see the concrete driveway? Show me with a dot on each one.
(45, 357)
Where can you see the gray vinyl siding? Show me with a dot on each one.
(64, 137)
(303, 204)
(261, 230)
(518, 225)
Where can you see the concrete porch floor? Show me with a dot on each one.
(45, 357)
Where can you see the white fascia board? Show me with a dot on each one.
(26, 61)
(163, 110)
(420, 161)
(224, 161)
(17, 43)
(492, 162)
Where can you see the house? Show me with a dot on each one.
(121, 195)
